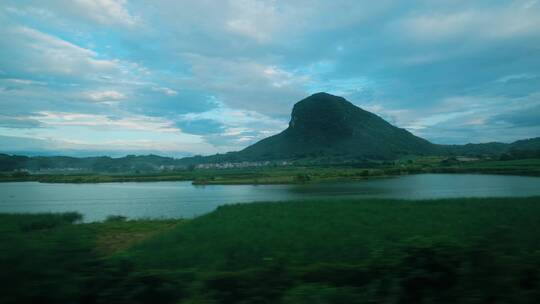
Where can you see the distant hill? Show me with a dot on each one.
(493, 148)
(93, 164)
(324, 125)
(328, 125)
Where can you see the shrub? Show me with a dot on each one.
(302, 178)
(115, 218)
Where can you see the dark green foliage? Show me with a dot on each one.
(357, 251)
(322, 294)
(20, 174)
(263, 285)
(492, 148)
(526, 144)
(11, 163)
(514, 154)
(120, 282)
(49, 221)
(341, 231)
(429, 273)
(130, 163)
(45, 258)
(362, 251)
(116, 218)
(302, 178)
(42, 259)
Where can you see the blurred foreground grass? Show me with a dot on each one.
(354, 251)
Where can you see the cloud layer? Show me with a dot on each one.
(201, 77)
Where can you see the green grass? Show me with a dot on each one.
(529, 167)
(115, 236)
(46, 258)
(343, 251)
(306, 232)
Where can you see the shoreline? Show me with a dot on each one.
(284, 179)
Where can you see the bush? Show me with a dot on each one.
(49, 221)
(428, 273)
(264, 285)
(302, 178)
(20, 174)
(115, 218)
(321, 294)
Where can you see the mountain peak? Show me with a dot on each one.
(322, 95)
(325, 124)
(322, 98)
(321, 111)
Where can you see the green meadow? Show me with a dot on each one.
(343, 251)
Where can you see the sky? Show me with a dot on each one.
(178, 78)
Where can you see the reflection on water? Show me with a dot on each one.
(181, 199)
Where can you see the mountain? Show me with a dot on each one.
(328, 125)
(526, 144)
(321, 126)
(92, 164)
(324, 125)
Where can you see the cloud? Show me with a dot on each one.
(104, 122)
(227, 73)
(516, 77)
(95, 12)
(254, 19)
(246, 84)
(19, 122)
(110, 95)
(514, 19)
(166, 91)
(236, 118)
(114, 148)
(147, 101)
(23, 81)
(33, 53)
(464, 119)
(522, 117)
(108, 12)
(200, 126)
(23, 144)
(231, 128)
(89, 132)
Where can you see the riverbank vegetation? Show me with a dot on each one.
(298, 172)
(346, 251)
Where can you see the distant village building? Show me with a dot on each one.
(245, 164)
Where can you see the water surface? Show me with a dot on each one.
(183, 200)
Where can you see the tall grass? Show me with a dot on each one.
(341, 231)
(353, 251)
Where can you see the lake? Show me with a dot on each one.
(183, 200)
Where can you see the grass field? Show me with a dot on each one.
(356, 251)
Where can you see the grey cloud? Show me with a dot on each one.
(248, 84)
(200, 127)
(14, 144)
(409, 57)
(527, 117)
(19, 122)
